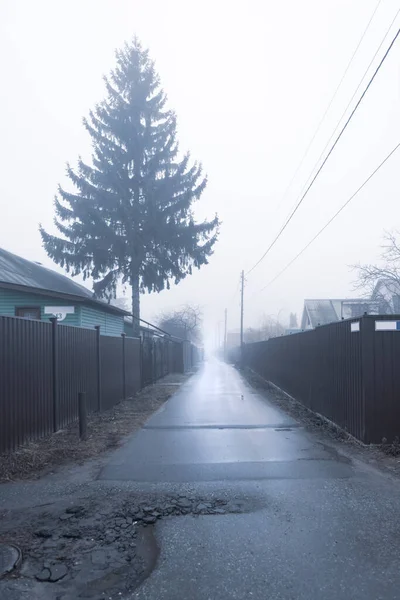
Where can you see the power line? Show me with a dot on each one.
(331, 101)
(353, 96)
(328, 155)
(333, 217)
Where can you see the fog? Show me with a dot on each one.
(249, 83)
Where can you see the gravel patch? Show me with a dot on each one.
(95, 550)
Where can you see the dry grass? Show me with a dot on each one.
(105, 431)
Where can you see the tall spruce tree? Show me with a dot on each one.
(130, 218)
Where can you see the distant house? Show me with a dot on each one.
(29, 290)
(387, 294)
(324, 311)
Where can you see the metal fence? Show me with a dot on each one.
(162, 355)
(347, 371)
(26, 383)
(43, 367)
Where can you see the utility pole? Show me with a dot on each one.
(241, 316)
(225, 333)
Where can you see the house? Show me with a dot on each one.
(387, 294)
(29, 290)
(324, 311)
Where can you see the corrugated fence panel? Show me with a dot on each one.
(132, 365)
(77, 371)
(30, 349)
(386, 407)
(26, 383)
(147, 360)
(338, 388)
(352, 377)
(320, 368)
(111, 360)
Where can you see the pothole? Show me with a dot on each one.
(91, 551)
(10, 558)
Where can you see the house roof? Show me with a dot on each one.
(17, 272)
(324, 311)
(393, 287)
(320, 312)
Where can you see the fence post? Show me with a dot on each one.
(98, 361)
(54, 332)
(153, 362)
(141, 362)
(367, 336)
(82, 415)
(123, 367)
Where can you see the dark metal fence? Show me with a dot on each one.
(162, 355)
(26, 384)
(347, 371)
(76, 371)
(44, 366)
(132, 373)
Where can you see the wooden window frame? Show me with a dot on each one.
(31, 308)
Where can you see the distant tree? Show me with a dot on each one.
(293, 324)
(369, 275)
(131, 216)
(270, 327)
(252, 334)
(184, 323)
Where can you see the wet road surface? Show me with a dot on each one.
(315, 525)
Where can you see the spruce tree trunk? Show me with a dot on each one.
(135, 304)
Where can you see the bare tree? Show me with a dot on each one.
(184, 323)
(368, 276)
(252, 334)
(268, 328)
(271, 327)
(293, 324)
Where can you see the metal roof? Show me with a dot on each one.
(19, 272)
(320, 312)
(324, 311)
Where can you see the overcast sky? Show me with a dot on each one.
(249, 82)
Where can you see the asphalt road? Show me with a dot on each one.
(315, 524)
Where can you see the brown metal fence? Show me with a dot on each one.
(111, 367)
(132, 373)
(76, 371)
(348, 372)
(26, 384)
(44, 366)
(161, 355)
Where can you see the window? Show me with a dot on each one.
(28, 312)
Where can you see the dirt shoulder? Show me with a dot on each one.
(106, 431)
(384, 457)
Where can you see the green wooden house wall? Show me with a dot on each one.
(84, 315)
